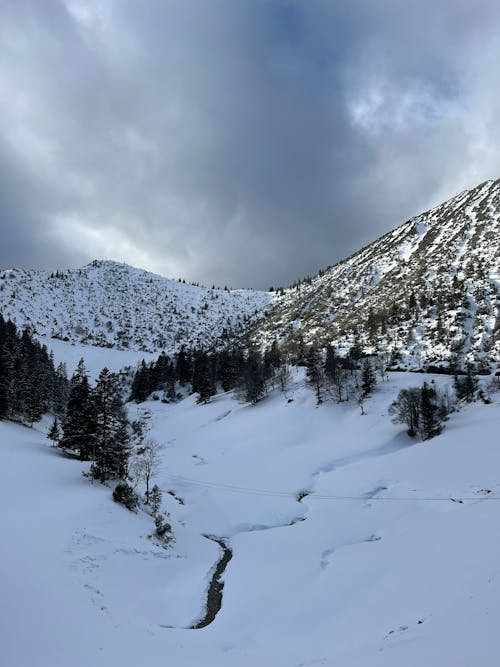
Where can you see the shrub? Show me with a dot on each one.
(162, 526)
(126, 495)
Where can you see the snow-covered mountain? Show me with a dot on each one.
(108, 304)
(425, 293)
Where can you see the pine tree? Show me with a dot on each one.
(368, 380)
(203, 383)
(314, 372)
(253, 379)
(112, 443)
(430, 424)
(184, 366)
(141, 384)
(61, 389)
(335, 372)
(54, 432)
(27, 376)
(79, 424)
(466, 386)
(169, 394)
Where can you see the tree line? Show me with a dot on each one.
(253, 373)
(30, 384)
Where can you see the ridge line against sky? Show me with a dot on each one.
(247, 143)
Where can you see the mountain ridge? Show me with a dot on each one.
(426, 293)
(111, 304)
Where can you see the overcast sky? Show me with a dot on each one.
(241, 142)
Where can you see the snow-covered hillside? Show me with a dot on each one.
(427, 292)
(352, 544)
(108, 304)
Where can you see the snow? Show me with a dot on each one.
(458, 238)
(113, 305)
(96, 358)
(376, 566)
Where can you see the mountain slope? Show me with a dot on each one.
(427, 292)
(108, 304)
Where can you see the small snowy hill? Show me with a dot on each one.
(352, 544)
(425, 293)
(108, 304)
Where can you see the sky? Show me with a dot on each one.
(245, 143)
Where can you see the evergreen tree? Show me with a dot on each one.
(27, 376)
(112, 444)
(466, 386)
(79, 424)
(314, 372)
(184, 367)
(169, 394)
(368, 379)
(54, 432)
(335, 372)
(141, 384)
(203, 382)
(253, 378)
(430, 423)
(61, 389)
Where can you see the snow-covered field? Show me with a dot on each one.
(377, 566)
(96, 358)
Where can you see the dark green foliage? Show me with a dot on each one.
(29, 383)
(142, 384)
(184, 366)
(79, 423)
(253, 377)
(54, 432)
(430, 422)
(421, 409)
(231, 368)
(272, 356)
(314, 372)
(112, 445)
(466, 386)
(335, 372)
(368, 379)
(125, 494)
(203, 377)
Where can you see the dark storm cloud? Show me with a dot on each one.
(243, 143)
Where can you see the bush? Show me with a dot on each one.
(162, 526)
(126, 495)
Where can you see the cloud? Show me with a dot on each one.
(245, 143)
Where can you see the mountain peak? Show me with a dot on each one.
(426, 293)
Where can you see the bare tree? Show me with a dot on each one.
(146, 463)
(406, 409)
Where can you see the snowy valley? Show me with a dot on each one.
(351, 543)
(303, 516)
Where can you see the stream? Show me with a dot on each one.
(214, 594)
(216, 586)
